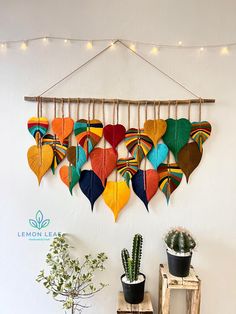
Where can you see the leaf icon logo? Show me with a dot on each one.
(39, 223)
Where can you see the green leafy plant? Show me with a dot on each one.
(132, 264)
(180, 240)
(71, 281)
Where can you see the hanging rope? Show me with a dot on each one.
(77, 69)
(77, 109)
(200, 110)
(134, 52)
(168, 156)
(158, 69)
(189, 109)
(159, 107)
(154, 110)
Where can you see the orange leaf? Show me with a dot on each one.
(116, 195)
(103, 161)
(40, 159)
(62, 127)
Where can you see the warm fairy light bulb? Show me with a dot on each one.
(66, 41)
(132, 47)
(89, 45)
(3, 45)
(45, 39)
(112, 45)
(225, 50)
(24, 45)
(154, 51)
(202, 49)
(180, 43)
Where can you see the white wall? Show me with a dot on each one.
(206, 206)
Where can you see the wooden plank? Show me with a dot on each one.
(143, 308)
(190, 282)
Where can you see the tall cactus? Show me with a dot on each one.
(180, 240)
(132, 265)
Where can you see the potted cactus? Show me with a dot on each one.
(180, 245)
(132, 280)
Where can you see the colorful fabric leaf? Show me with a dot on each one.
(71, 155)
(38, 127)
(177, 135)
(170, 178)
(155, 129)
(69, 176)
(127, 167)
(116, 195)
(59, 150)
(189, 158)
(88, 133)
(40, 159)
(157, 155)
(103, 162)
(62, 127)
(145, 185)
(200, 132)
(91, 186)
(114, 134)
(80, 158)
(138, 143)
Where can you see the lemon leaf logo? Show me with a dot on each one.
(39, 222)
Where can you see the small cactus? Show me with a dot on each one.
(132, 265)
(180, 240)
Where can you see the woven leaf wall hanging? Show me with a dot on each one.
(142, 142)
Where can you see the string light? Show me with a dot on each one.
(24, 45)
(89, 45)
(154, 50)
(132, 47)
(155, 47)
(225, 50)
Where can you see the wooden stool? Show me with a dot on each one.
(143, 308)
(191, 284)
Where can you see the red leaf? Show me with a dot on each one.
(114, 134)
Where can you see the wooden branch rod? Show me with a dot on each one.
(121, 101)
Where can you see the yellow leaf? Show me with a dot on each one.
(40, 159)
(155, 129)
(116, 195)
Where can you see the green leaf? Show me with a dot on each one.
(177, 135)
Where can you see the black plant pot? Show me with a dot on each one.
(133, 293)
(179, 266)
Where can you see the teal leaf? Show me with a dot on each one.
(74, 178)
(80, 158)
(157, 155)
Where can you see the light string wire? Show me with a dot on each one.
(112, 40)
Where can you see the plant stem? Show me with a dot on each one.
(73, 309)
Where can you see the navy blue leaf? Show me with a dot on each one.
(91, 185)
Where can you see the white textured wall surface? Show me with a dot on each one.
(206, 206)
